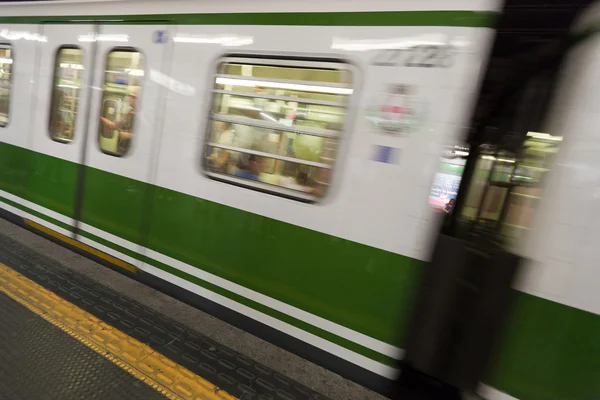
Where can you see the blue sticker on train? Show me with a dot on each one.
(385, 154)
(160, 37)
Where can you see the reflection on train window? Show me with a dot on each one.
(538, 155)
(489, 187)
(68, 72)
(448, 177)
(506, 187)
(122, 89)
(6, 62)
(275, 124)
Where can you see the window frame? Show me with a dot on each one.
(279, 60)
(52, 94)
(128, 49)
(10, 46)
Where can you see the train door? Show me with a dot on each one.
(17, 66)
(65, 66)
(124, 111)
(465, 291)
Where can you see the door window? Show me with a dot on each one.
(123, 81)
(6, 63)
(68, 71)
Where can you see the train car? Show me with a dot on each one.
(278, 165)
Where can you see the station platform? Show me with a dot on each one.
(74, 329)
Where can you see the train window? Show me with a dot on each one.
(6, 62)
(122, 89)
(68, 68)
(275, 124)
(537, 156)
(506, 187)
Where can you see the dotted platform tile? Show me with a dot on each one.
(40, 361)
(223, 367)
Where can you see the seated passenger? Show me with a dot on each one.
(302, 183)
(249, 167)
(124, 123)
(219, 158)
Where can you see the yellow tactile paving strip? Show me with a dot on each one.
(84, 247)
(162, 374)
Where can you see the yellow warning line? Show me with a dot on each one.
(141, 361)
(81, 246)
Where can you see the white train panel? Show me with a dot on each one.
(399, 190)
(55, 38)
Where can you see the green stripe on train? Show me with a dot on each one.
(252, 304)
(37, 214)
(357, 286)
(474, 19)
(550, 351)
(43, 180)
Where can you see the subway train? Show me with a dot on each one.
(287, 166)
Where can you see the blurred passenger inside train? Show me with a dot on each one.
(223, 135)
(248, 167)
(302, 182)
(124, 122)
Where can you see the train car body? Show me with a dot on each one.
(330, 267)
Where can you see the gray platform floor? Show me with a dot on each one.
(281, 361)
(40, 361)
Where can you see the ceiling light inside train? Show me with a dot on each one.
(545, 136)
(135, 72)
(229, 40)
(505, 160)
(282, 85)
(396, 43)
(103, 38)
(267, 116)
(72, 66)
(22, 35)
